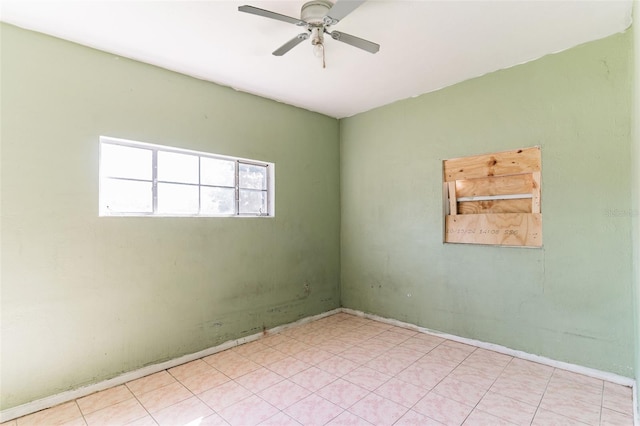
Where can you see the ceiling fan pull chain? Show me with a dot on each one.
(323, 63)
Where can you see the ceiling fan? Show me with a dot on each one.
(317, 16)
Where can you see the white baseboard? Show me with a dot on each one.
(48, 402)
(60, 398)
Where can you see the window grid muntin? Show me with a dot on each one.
(156, 148)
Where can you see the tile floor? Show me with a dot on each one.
(347, 370)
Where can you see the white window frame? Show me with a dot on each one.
(270, 176)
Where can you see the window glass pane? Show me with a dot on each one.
(217, 172)
(217, 200)
(125, 162)
(253, 202)
(125, 196)
(176, 198)
(252, 177)
(173, 167)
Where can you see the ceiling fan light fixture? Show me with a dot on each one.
(318, 50)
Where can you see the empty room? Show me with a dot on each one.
(319, 213)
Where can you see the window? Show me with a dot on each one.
(140, 179)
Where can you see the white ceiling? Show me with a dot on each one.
(425, 45)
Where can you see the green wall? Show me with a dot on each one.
(570, 300)
(87, 298)
(635, 196)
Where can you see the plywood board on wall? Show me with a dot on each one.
(506, 229)
(494, 198)
(513, 162)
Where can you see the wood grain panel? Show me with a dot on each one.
(498, 185)
(522, 205)
(507, 229)
(519, 161)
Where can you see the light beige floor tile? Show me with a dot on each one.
(492, 356)
(259, 379)
(272, 340)
(151, 382)
(348, 419)
(280, 419)
(619, 401)
(577, 378)
(614, 418)
(450, 353)
(548, 418)
(143, 421)
(105, 398)
(343, 393)
(204, 381)
(461, 346)
(78, 421)
(238, 368)
(288, 367)
(249, 348)
(480, 418)
(213, 420)
(528, 367)
(419, 345)
(248, 412)
(485, 365)
(224, 359)
(443, 409)
(367, 378)
(337, 365)
(284, 394)
(314, 338)
(189, 411)
(292, 347)
(589, 414)
(404, 353)
(413, 418)
(313, 356)
(387, 365)
(266, 356)
(118, 414)
(313, 378)
(393, 337)
(520, 388)
(402, 330)
(465, 393)
(401, 392)
(224, 395)
(378, 410)
(189, 369)
(357, 354)
(618, 389)
(314, 410)
(163, 397)
(423, 376)
(52, 416)
(377, 346)
(507, 408)
(474, 376)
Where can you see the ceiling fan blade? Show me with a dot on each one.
(272, 15)
(291, 44)
(358, 42)
(342, 8)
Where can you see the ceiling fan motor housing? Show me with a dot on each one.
(314, 12)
